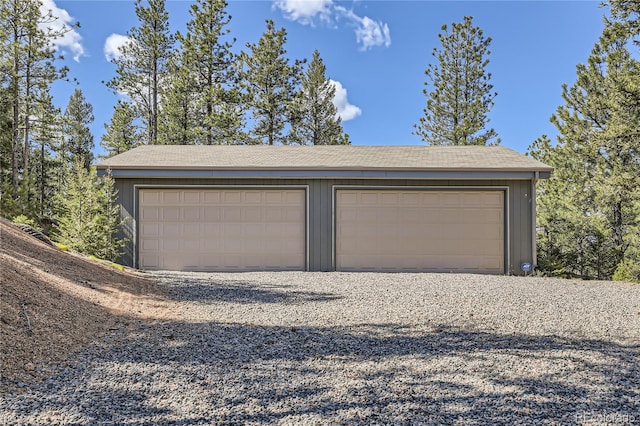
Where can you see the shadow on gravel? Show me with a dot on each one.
(243, 291)
(184, 373)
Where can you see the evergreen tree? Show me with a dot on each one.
(316, 120)
(142, 67)
(88, 217)
(216, 78)
(6, 189)
(589, 208)
(203, 103)
(47, 168)
(574, 238)
(27, 65)
(270, 84)
(461, 96)
(177, 125)
(121, 133)
(78, 143)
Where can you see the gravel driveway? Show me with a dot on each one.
(342, 348)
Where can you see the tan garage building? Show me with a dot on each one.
(325, 208)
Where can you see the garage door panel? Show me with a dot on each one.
(211, 197)
(171, 230)
(191, 214)
(170, 198)
(212, 231)
(367, 216)
(211, 245)
(191, 230)
(232, 197)
(150, 230)
(150, 197)
(254, 197)
(150, 262)
(274, 198)
(191, 197)
(170, 245)
(222, 230)
(291, 231)
(427, 230)
(294, 198)
(252, 214)
(272, 231)
(150, 213)
(169, 213)
(348, 214)
(211, 214)
(151, 245)
(293, 213)
(231, 213)
(389, 199)
(191, 246)
(232, 245)
(492, 216)
(273, 214)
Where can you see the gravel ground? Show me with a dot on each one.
(341, 348)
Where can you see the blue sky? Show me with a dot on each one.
(376, 50)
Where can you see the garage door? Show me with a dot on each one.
(222, 230)
(420, 230)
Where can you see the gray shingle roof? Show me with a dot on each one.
(357, 158)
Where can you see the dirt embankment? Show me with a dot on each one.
(53, 303)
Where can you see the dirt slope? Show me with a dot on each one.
(53, 303)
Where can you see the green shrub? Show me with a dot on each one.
(87, 215)
(24, 220)
(627, 271)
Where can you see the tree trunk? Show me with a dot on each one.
(27, 112)
(15, 140)
(618, 231)
(154, 104)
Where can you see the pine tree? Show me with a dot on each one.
(461, 96)
(177, 125)
(218, 101)
(108, 220)
(78, 143)
(316, 120)
(122, 133)
(142, 67)
(5, 149)
(88, 218)
(590, 207)
(270, 84)
(28, 70)
(574, 238)
(47, 167)
(203, 103)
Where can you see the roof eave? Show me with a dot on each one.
(324, 173)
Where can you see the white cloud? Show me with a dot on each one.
(112, 46)
(369, 33)
(346, 111)
(59, 20)
(304, 11)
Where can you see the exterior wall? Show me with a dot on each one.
(321, 192)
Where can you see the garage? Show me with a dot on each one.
(222, 229)
(327, 208)
(420, 230)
